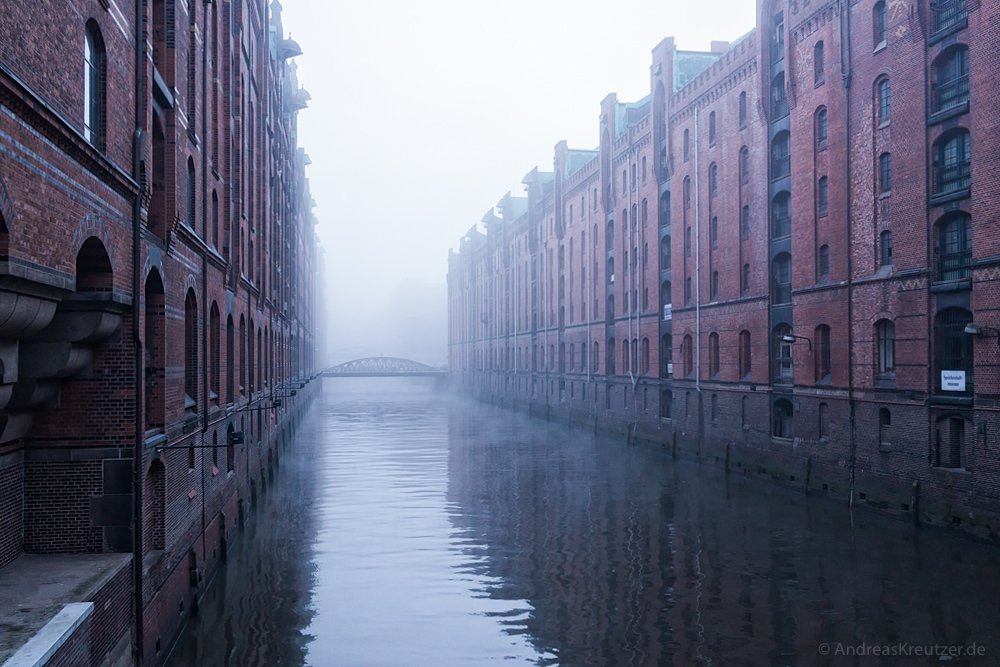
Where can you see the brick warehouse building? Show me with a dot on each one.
(157, 313)
(783, 260)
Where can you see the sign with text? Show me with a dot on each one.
(952, 380)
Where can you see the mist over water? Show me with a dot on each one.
(405, 528)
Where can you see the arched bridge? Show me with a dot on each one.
(372, 367)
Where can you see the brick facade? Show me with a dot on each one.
(157, 263)
(817, 237)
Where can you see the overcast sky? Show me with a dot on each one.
(424, 114)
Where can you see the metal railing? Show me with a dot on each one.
(948, 12)
(950, 94)
(953, 177)
(955, 265)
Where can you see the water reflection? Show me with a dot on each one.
(408, 531)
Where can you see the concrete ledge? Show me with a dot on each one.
(39, 649)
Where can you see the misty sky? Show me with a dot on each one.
(424, 114)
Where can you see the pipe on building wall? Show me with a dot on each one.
(845, 71)
(138, 142)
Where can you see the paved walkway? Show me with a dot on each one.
(35, 587)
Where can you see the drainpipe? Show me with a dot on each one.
(593, 280)
(204, 269)
(138, 142)
(697, 268)
(845, 72)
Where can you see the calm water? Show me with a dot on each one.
(404, 530)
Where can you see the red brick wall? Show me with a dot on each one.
(11, 507)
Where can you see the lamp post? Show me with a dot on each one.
(791, 338)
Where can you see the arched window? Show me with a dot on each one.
(243, 356)
(822, 129)
(781, 279)
(192, 196)
(883, 99)
(190, 351)
(155, 350)
(743, 109)
(665, 303)
(885, 248)
(713, 231)
(781, 160)
(713, 180)
(884, 427)
(667, 354)
(214, 343)
(949, 441)
(687, 192)
(93, 267)
(955, 247)
(645, 356)
(687, 352)
(885, 173)
(784, 420)
(819, 63)
(214, 240)
(823, 356)
(779, 103)
(687, 145)
(952, 162)
(94, 87)
(885, 347)
(953, 352)
(744, 355)
(823, 263)
(665, 209)
(880, 24)
(609, 235)
(951, 79)
(666, 404)
(745, 280)
(783, 372)
(711, 128)
(611, 270)
(230, 361)
(713, 355)
(781, 215)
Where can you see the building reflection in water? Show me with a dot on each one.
(628, 558)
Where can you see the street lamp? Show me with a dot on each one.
(791, 338)
(981, 331)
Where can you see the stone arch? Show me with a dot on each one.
(93, 267)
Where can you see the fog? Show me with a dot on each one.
(423, 114)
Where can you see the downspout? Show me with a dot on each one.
(138, 142)
(845, 71)
(697, 268)
(204, 270)
(593, 280)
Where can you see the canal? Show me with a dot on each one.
(404, 529)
